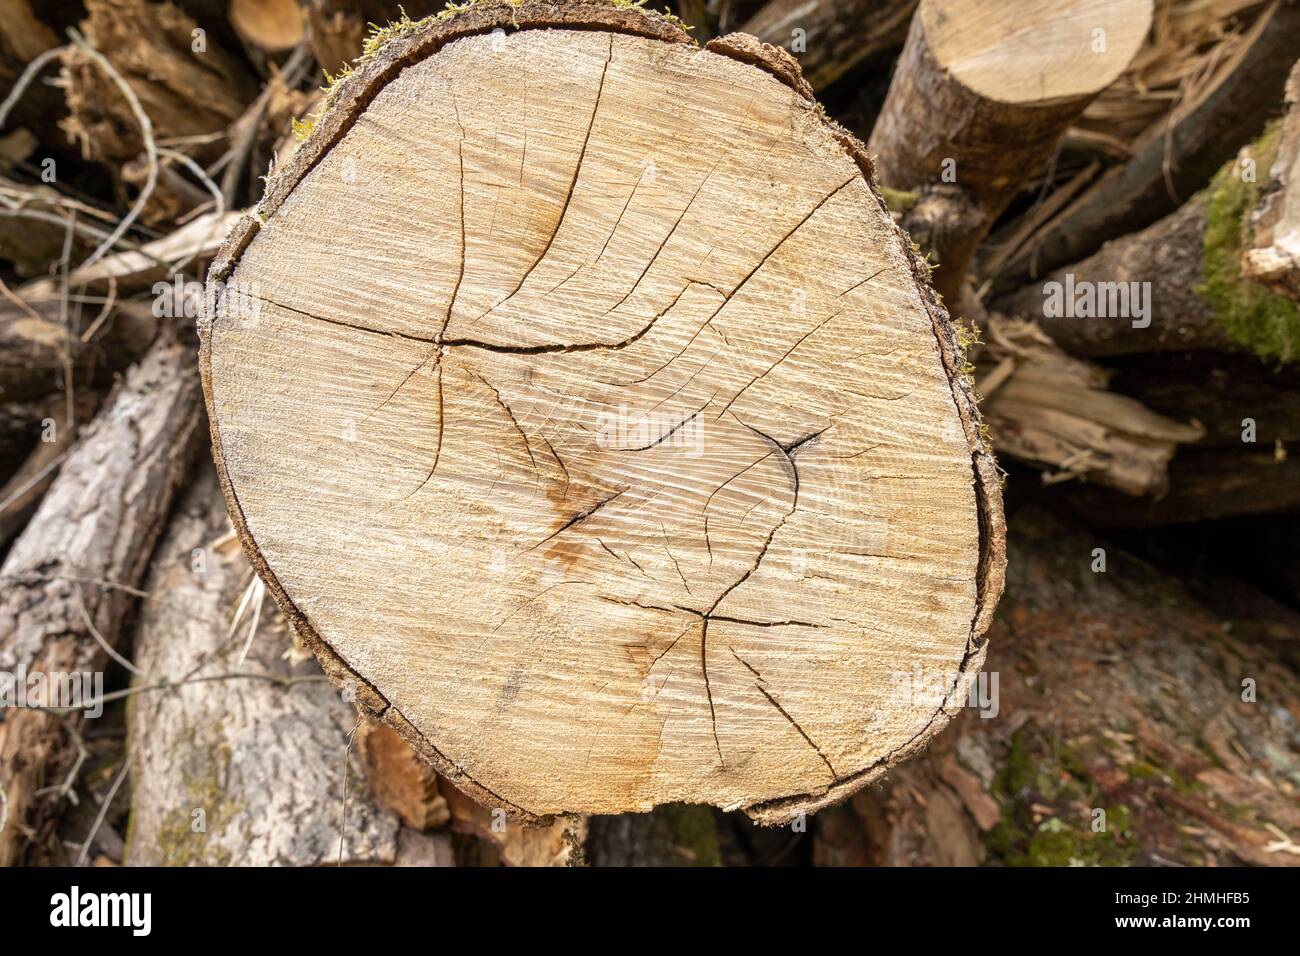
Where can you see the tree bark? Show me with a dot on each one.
(230, 769)
(1191, 273)
(69, 576)
(607, 427)
(837, 34)
(1275, 260)
(1172, 161)
(1168, 255)
(1198, 783)
(969, 135)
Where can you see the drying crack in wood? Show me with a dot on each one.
(584, 557)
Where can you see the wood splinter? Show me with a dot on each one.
(585, 412)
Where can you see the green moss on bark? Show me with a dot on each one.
(1266, 323)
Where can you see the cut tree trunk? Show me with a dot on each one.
(636, 452)
(979, 100)
(1275, 260)
(1174, 159)
(68, 578)
(229, 769)
(837, 34)
(1108, 721)
(1184, 282)
(272, 25)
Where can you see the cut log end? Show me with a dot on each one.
(1033, 52)
(580, 403)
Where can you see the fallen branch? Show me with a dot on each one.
(100, 519)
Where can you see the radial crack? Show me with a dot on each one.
(758, 685)
(573, 185)
(579, 517)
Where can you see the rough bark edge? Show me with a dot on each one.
(767, 57)
(348, 101)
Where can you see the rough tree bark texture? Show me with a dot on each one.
(68, 576)
(684, 389)
(1094, 715)
(1174, 160)
(236, 771)
(1275, 260)
(837, 34)
(1190, 271)
(1167, 254)
(981, 94)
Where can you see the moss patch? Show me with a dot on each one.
(695, 830)
(1040, 770)
(1266, 323)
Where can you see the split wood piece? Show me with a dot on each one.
(185, 92)
(271, 25)
(1118, 691)
(979, 100)
(337, 29)
(67, 580)
(134, 270)
(1174, 159)
(559, 843)
(1218, 391)
(1044, 406)
(399, 779)
(1275, 260)
(634, 452)
(837, 34)
(1179, 284)
(228, 769)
